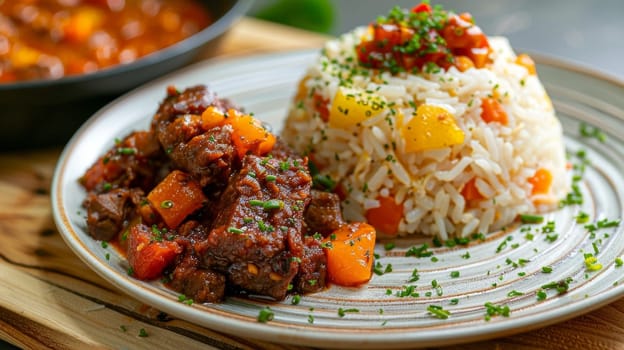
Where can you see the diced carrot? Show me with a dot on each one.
(321, 106)
(470, 191)
(541, 181)
(387, 216)
(176, 197)
(249, 135)
(349, 251)
(149, 253)
(527, 62)
(492, 111)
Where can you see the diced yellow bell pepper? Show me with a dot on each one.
(432, 127)
(351, 107)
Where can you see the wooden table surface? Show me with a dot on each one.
(50, 299)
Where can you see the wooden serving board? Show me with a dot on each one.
(50, 299)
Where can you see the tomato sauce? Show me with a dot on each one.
(424, 38)
(48, 39)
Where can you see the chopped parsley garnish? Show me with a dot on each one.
(591, 263)
(576, 196)
(342, 312)
(415, 276)
(184, 299)
(379, 269)
(531, 219)
(501, 246)
(494, 310)
(267, 205)
(407, 291)
(454, 274)
(265, 315)
(419, 251)
(127, 151)
(166, 204)
(546, 269)
(438, 312)
(143, 333)
(514, 293)
(438, 288)
(592, 132)
(582, 218)
(560, 286)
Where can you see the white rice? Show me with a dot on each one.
(428, 183)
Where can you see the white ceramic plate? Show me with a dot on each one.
(265, 85)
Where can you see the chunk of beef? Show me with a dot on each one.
(257, 235)
(206, 154)
(107, 212)
(282, 151)
(201, 285)
(210, 156)
(135, 161)
(193, 100)
(313, 268)
(323, 215)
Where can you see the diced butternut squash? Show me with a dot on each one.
(387, 216)
(463, 63)
(432, 127)
(541, 181)
(176, 197)
(527, 62)
(248, 135)
(351, 107)
(349, 252)
(212, 117)
(493, 112)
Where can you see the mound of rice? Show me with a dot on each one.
(369, 160)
